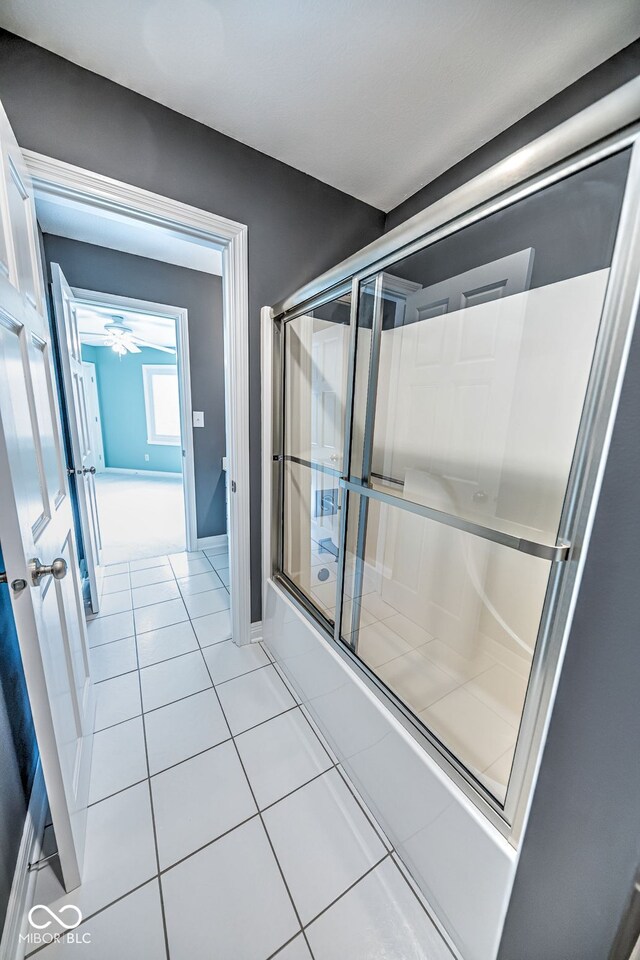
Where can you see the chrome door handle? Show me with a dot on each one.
(39, 570)
(88, 470)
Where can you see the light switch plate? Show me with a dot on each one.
(198, 418)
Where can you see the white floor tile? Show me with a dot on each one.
(159, 615)
(223, 573)
(219, 560)
(115, 603)
(113, 569)
(183, 729)
(130, 929)
(148, 562)
(185, 556)
(199, 800)
(476, 734)
(379, 914)
(117, 700)
(323, 842)
(296, 950)
(188, 568)
(378, 643)
(105, 629)
(408, 630)
(212, 601)
(216, 551)
(280, 756)
(119, 759)
(416, 680)
(449, 660)
(497, 775)
(119, 855)
(155, 593)
(227, 660)
(213, 628)
(142, 578)
(173, 679)
(228, 900)
(199, 582)
(167, 642)
(255, 697)
(113, 659)
(377, 607)
(115, 583)
(502, 690)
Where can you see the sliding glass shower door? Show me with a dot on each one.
(434, 441)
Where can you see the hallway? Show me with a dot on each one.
(140, 516)
(218, 818)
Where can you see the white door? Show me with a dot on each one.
(36, 521)
(82, 450)
(93, 412)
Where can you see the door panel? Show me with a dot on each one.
(36, 522)
(82, 452)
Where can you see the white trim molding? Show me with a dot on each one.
(91, 191)
(256, 631)
(24, 880)
(208, 543)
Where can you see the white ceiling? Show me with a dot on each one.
(154, 329)
(77, 221)
(376, 97)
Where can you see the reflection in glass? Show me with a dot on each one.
(472, 364)
(485, 353)
(448, 621)
(316, 352)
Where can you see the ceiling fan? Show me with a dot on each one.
(122, 339)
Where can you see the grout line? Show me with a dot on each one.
(91, 916)
(209, 843)
(334, 764)
(349, 888)
(153, 818)
(295, 909)
(408, 879)
(365, 810)
(106, 643)
(136, 783)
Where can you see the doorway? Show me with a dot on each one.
(145, 224)
(138, 395)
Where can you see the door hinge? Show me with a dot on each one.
(233, 486)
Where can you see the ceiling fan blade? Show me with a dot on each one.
(155, 346)
(131, 346)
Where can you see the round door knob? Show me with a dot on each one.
(57, 569)
(88, 470)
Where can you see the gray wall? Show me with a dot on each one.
(582, 847)
(110, 271)
(298, 227)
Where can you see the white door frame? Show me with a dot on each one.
(94, 298)
(93, 191)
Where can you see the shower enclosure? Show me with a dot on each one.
(441, 419)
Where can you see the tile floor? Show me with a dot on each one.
(220, 825)
(128, 509)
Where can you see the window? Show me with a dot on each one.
(162, 404)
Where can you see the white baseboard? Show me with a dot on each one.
(24, 881)
(207, 543)
(256, 631)
(144, 473)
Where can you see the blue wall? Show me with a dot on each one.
(122, 410)
(18, 747)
